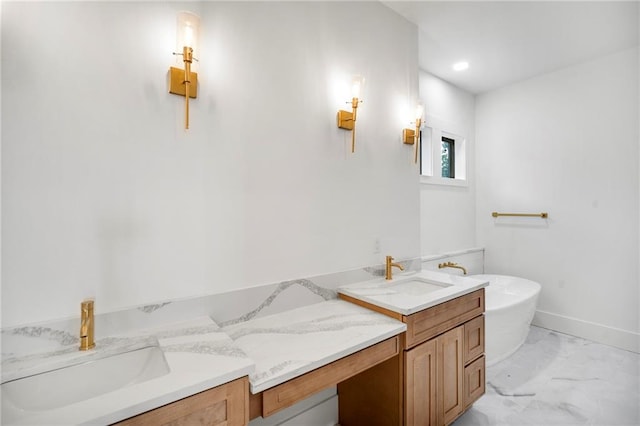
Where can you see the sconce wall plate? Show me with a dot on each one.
(408, 136)
(345, 120)
(177, 86)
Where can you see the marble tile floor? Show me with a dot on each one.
(557, 379)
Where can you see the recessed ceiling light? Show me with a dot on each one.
(460, 66)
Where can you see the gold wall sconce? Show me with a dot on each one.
(184, 82)
(347, 119)
(412, 136)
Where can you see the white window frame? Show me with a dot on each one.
(432, 133)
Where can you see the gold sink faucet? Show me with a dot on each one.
(452, 265)
(86, 325)
(389, 265)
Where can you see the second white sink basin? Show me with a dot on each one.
(68, 385)
(417, 286)
(411, 292)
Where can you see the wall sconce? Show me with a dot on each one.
(347, 120)
(412, 136)
(185, 82)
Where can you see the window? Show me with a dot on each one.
(442, 154)
(448, 158)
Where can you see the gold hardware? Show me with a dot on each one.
(86, 325)
(177, 83)
(418, 124)
(543, 215)
(347, 120)
(184, 82)
(452, 265)
(412, 136)
(388, 267)
(408, 136)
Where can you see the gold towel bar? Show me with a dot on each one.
(543, 215)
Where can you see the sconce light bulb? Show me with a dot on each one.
(419, 111)
(356, 86)
(187, 34)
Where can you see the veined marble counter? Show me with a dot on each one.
(406, 294)
(289, 344)
(199, 356)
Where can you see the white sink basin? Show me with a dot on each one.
(68, 385)
(417, 286)
(412, 292)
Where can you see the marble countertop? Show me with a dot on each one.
(199, 355)
(411, 292)
(289, 344)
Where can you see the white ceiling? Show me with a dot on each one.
(505, 42)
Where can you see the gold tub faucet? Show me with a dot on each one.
(86, 325)
(389, 265)
(452, 265)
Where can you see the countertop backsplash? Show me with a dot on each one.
(225, 309)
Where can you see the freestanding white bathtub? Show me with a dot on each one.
(510, 303)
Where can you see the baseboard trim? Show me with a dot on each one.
(611, 336)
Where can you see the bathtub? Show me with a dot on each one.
(510, 303)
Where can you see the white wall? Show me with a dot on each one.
(567, 143)
(105, 195)
(447, 213)
(472, 260)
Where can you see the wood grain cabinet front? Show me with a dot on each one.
(421, 384)
(450, 376)
(224, 405)
(434, 380)
(438, 376)
(474, 381)
(473, 339)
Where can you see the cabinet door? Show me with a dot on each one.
(420, 385)
(450, 374)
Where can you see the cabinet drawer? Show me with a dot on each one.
(226, 405)
(474, 381)
(473, 339)
(294, 390)
(427, 324)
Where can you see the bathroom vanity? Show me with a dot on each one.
(405, 351)
(440, 371)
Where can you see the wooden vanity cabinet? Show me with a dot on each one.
(440, 371)
(224, 405)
